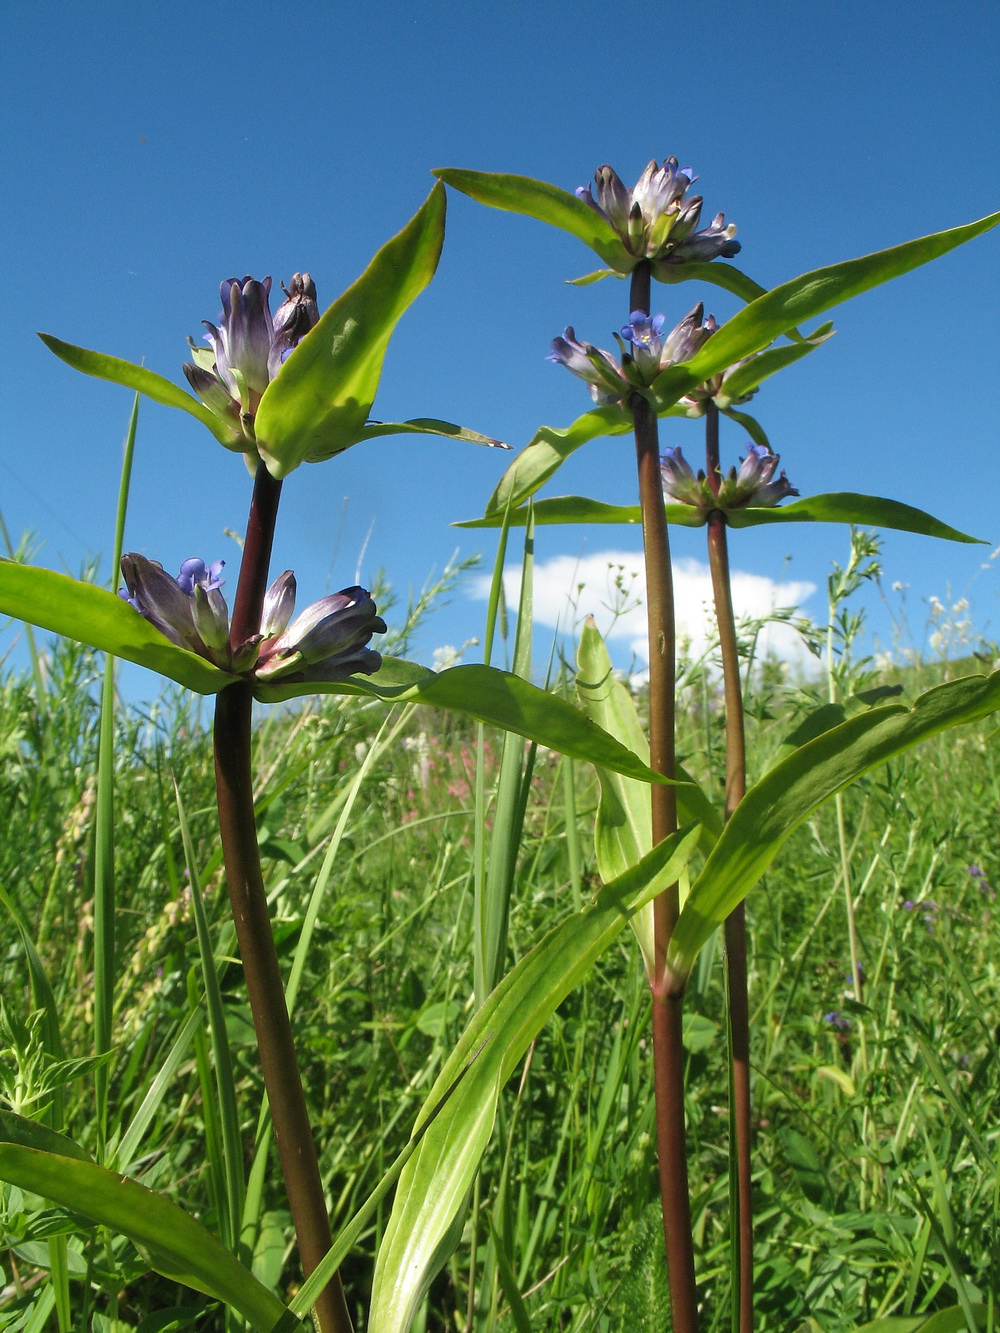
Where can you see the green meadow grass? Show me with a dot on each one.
(876, 1155)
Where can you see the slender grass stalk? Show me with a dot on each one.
(233, 1192)
(245, 882)
(104, 829)
(735, 927)
(668, 996)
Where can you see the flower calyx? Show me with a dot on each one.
(328, 641)
(655, 221)
(753, 486)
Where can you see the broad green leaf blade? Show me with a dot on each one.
(170, 1241)
(97, 617)
(495, 697)
(547, 203)
(623, 830)
(548, 449)
(744, 380)
(319, 403)
(146, 382)
(429, 426)
(435, 1182)
(788, 793)
(32, 1134)
(758, 324)
(837, 507)
(848, 507)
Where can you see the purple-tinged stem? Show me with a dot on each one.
(735, 928)
(668, 997)
(234, 786)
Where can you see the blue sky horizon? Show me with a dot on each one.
(154, 150)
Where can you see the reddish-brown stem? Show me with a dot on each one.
(735, 928)
(234, 786)
(668, 998)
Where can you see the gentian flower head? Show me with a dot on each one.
(600, 369)
(247, 348)
(654, 221)
(328, 641)
(751, 487)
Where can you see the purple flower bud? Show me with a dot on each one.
(248, 347)
(653, 220)
(293, 319)
(279, 603)
(835, 1019)
(680, 482)
(600, 369)
(688, 337)
(162, 601)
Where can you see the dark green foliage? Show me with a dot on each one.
(873, 1175)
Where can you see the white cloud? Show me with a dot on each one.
(611, 586)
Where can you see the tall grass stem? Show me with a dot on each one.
(104, 827)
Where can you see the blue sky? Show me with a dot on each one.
(153, 150)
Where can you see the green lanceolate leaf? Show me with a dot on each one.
(588, 278)
(548, 449)
(170, 1241)
(547, 203)
(97, 617)
(146, 382)
(623, 830)
(435, 1183)
(838, 507)
(758, 324)
(319, 404)
(788, 793)
(847, 507)
(495, 697)
(429, 426)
